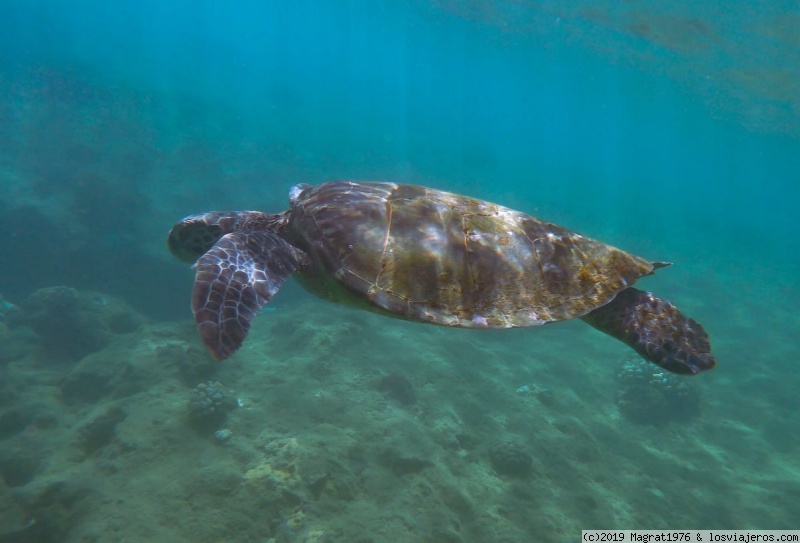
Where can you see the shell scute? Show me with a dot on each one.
(439, 257)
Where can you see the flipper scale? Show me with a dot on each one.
(235, 279)
(656, 330)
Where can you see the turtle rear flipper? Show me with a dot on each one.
(235, 280)
(656, 330)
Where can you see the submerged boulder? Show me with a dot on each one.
(511, 459)
(71, 324)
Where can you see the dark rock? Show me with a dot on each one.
(318, 485)
(406, 465)
(548, 397)
(445, 536)
(96, 378)
(466, 441)
(14, 522)
(17, 343)
(18, 469)
(100, 431)
(45, 420)
(457, 501)
(511, 459)
(14, 421)
(111, 373)
(72, 324)
(51, 511)
(24, 531)
(194, 365)
(398, 388)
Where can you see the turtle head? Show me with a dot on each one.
(192, 237)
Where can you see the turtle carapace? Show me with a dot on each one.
(430, 256)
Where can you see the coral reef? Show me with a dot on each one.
(209, 405)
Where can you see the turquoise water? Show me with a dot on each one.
(670, 131)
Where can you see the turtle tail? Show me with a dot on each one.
(656, 330)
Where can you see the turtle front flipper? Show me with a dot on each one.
(235, 280)
(656, 330)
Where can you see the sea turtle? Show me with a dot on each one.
(430, 256)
